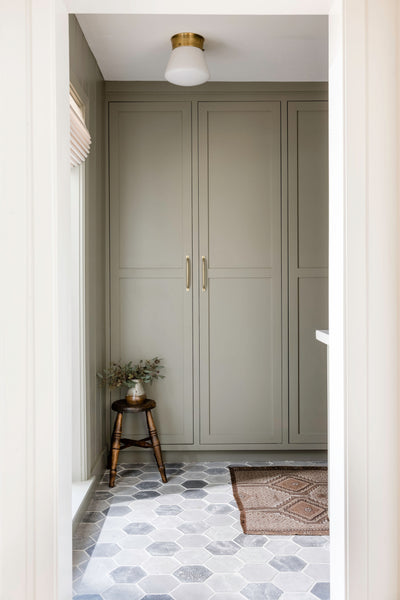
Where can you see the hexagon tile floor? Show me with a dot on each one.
(144, 540)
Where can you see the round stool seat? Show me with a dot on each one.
(124, 406)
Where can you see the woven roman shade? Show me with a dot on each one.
(80, 136)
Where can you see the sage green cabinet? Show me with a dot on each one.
(150, 236)
(236, 189)
(240, 298)
(308, 269)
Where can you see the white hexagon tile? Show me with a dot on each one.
(144, 540)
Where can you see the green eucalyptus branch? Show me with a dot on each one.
(123, 374)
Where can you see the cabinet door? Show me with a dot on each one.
(240, 239)
(308, 269)
(150, 228)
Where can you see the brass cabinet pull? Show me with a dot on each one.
(187, 273)
(203, 260)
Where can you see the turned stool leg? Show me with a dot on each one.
(115, 446)
(156, 444)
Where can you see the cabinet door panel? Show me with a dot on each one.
(150, 237)
(308, 273)
(240, 238)
(240, 349)
(239, 141)
(311, 406)
(152, 321)
(151, 207)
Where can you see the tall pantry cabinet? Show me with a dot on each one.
(218, 258)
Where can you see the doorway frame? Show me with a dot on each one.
(364, 278)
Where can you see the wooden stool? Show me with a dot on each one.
(117, 444)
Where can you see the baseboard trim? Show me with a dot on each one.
(132, 456)
(82, 491)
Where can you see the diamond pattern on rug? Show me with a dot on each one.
(282, 500)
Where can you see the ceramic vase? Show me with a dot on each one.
(136, 393)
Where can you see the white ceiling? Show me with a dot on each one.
(238, 48)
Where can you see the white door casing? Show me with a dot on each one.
(364, 233)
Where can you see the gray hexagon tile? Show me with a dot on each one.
(250, 540)
(194, 484)
(194, 494)
(145, 540)
(321, 590)
(138, 528)
(145, 495)
(148, 485)
(192, 574)
(116, 511)
(196, 527)
(223, 547)
(171, 510)
(162, 548)
(127, 574)
(287, 563)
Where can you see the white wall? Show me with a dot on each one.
(86, 76)
(35, 318)
(364, 299)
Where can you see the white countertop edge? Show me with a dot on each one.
(322, 335)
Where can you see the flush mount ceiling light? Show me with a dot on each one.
(187, 65)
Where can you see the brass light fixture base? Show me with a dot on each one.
(187, 39)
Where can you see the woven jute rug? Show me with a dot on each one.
(282, 500)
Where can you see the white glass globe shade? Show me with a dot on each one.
(187, 66)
